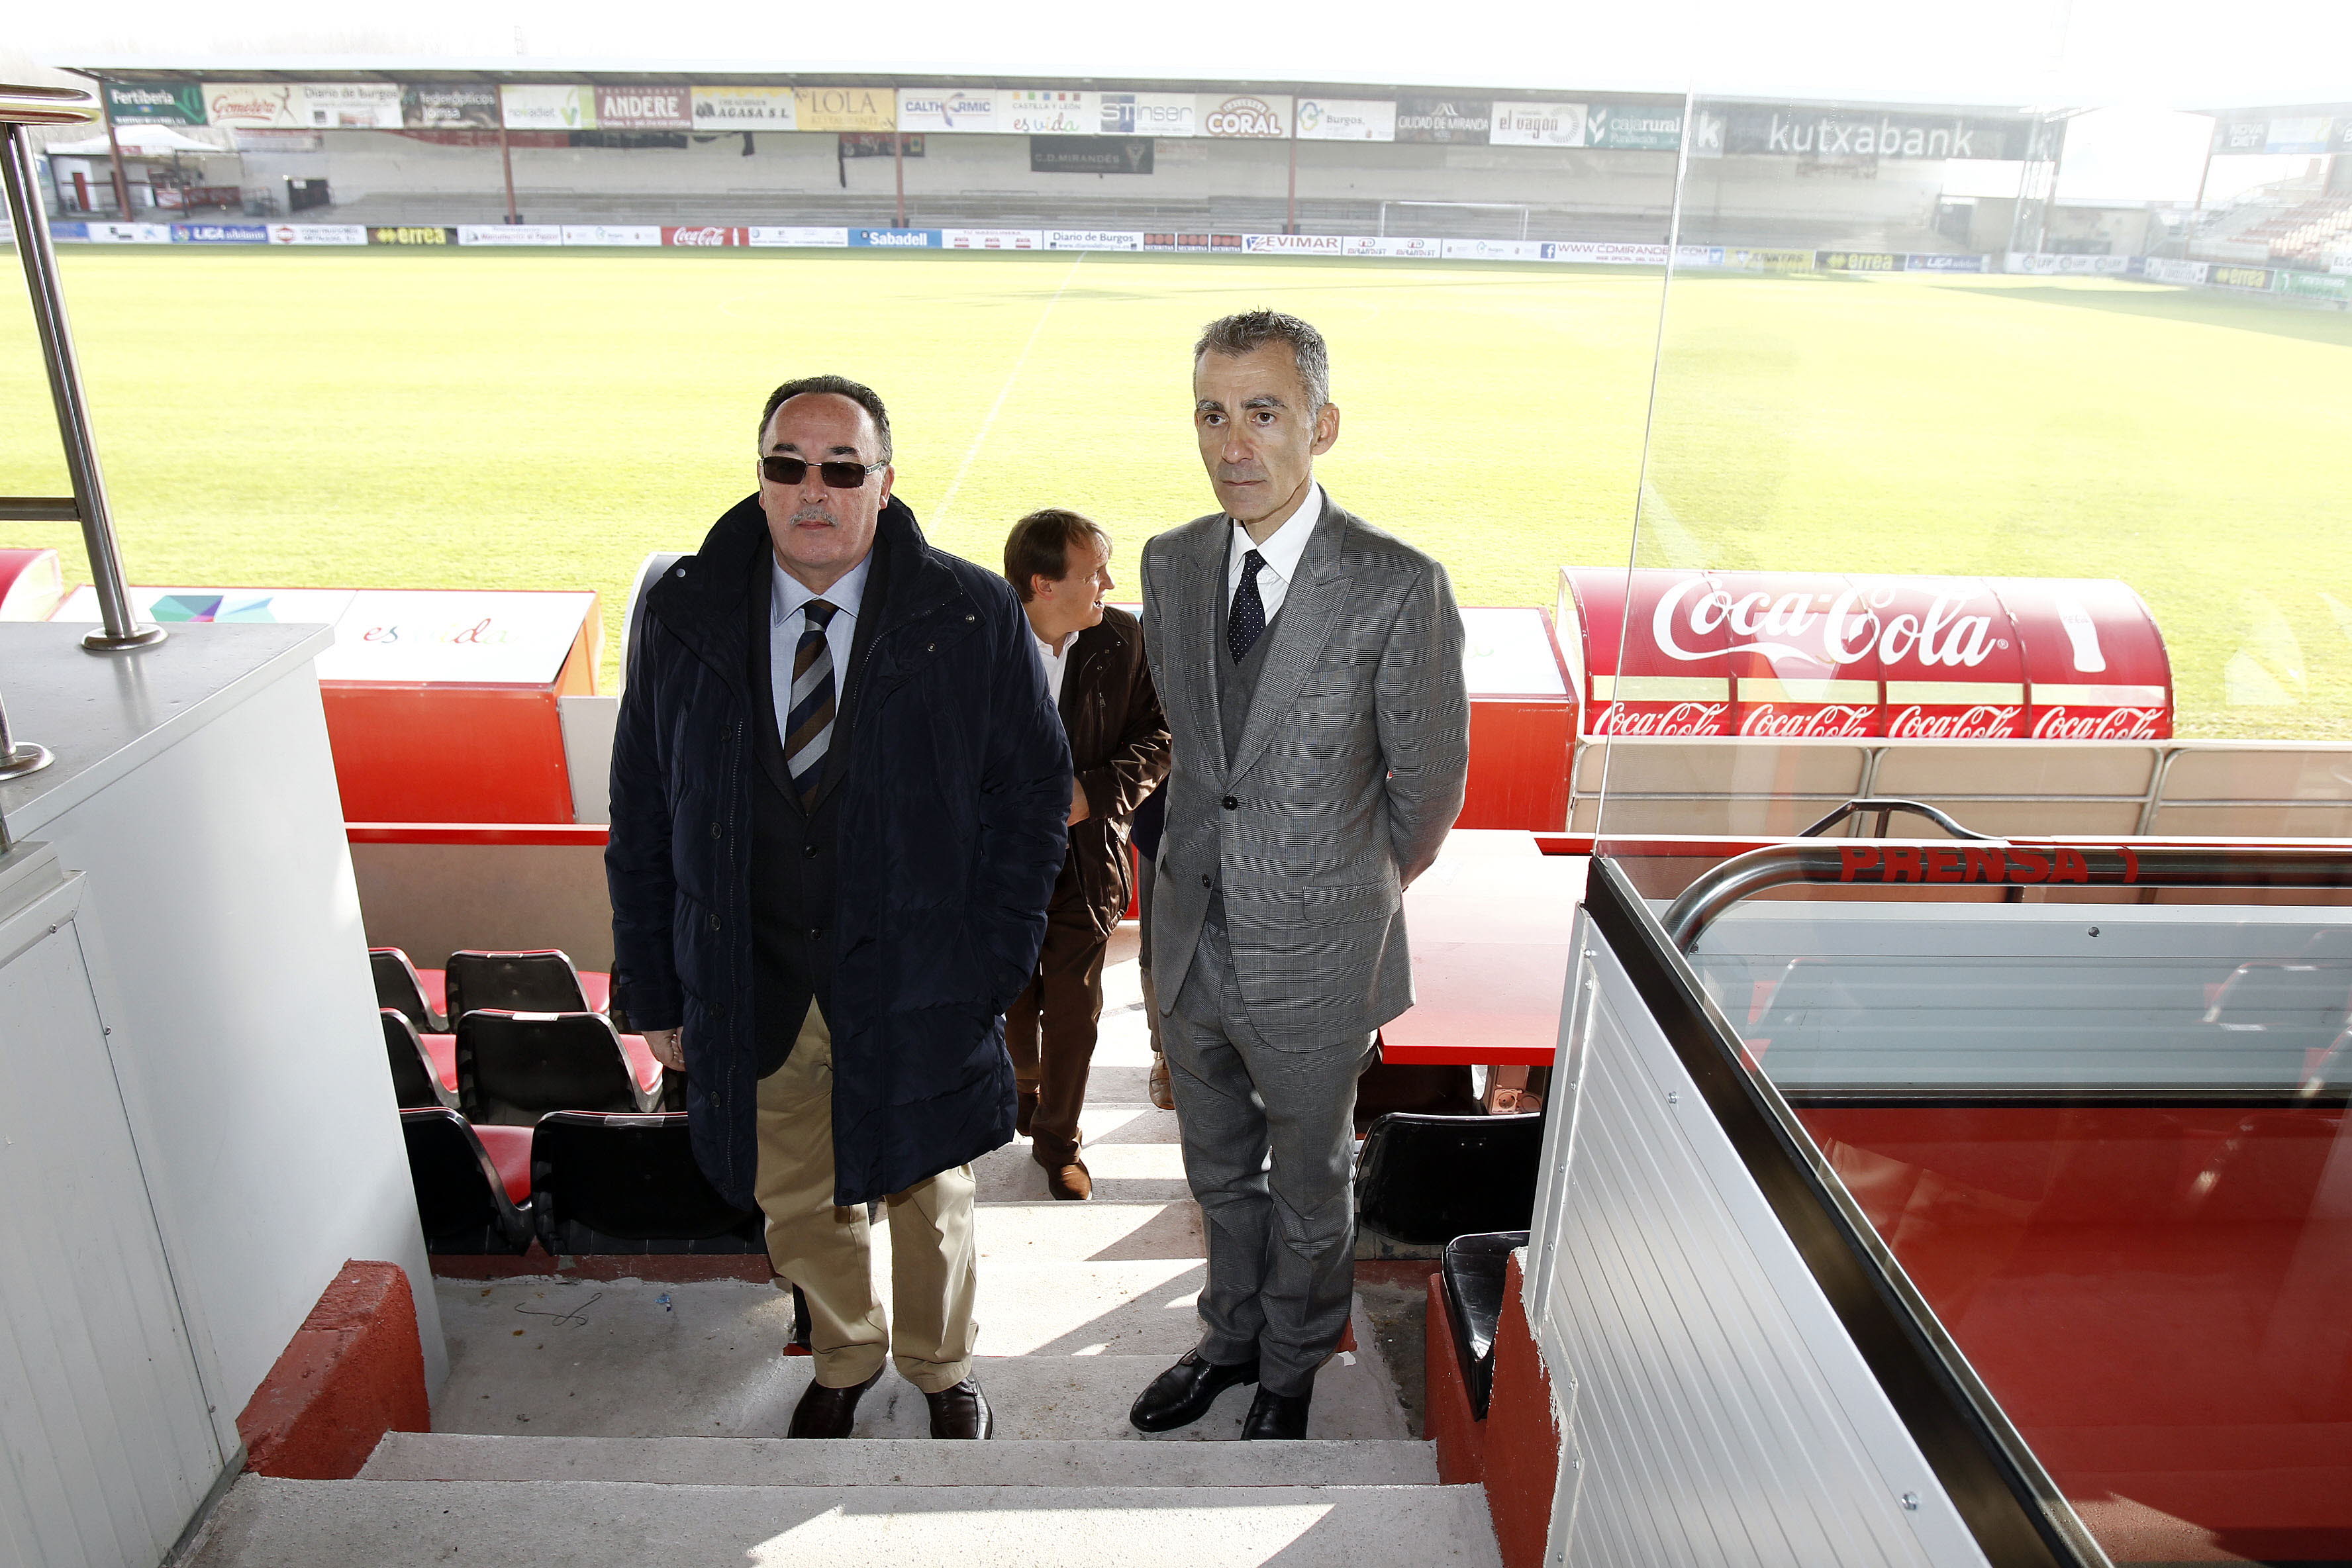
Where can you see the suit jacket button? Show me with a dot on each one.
(1231, 804)
(714, 922)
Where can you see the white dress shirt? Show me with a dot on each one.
(1056, 663)
(1280, 552)
(786, 600)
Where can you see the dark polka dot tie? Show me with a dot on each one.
(1248, 620)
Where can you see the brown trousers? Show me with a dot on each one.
(1050, 1031)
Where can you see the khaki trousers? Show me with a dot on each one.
(827, 1251)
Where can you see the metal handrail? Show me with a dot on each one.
(1886, 806)
(1997, 863)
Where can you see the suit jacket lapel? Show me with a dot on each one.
(1309, 610)
(1208, 616)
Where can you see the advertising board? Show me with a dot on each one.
(1925, 261)
(219, 233)
(155, 102)
(99, 233)
(510, 234)
(1858, 261)
(993, 238)
(449, 105)
(2313, 285)
(645, 107)
(2282, 133)
(613, 234)
(1634, 126)
(411, 234)
(1766, 258)
(1241, 114)
(1393, 246)
(2055, 264)
(802, 237)
(541, 106)
(1026, 112)
(1090, 154)
(1810, 131)
(318, 234)
(263, 104)
(846, 108)
(896, 238)
(1536, 125)
(1443, 119)
(1149, 114)
(1294, 244)
(1092, 240)
(2166, 270)
(1192, 242)
(743, 109)
(948, 111)
(1494, 250)
(1346, 120)
(696, 237)
(351, 105)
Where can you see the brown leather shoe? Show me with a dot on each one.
(1025, 1113)
(961, 1412)
(1071, 1181)
(829, 1412)
(1163, 1093)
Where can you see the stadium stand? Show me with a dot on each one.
(514, 1067)
(628, 1183)
(416, 995)
(473, 1184)
(421, 1078)
(542, 980)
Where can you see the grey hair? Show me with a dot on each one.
(865, 397)
(1235, 336)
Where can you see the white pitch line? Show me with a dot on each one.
(972, 454)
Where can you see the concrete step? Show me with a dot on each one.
(923, 1462)
(700, 1385)
(271, 1523)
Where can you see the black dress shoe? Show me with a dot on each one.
(829, 1412)
(1182, 1394)
(1273, 1415)
(961, 1412)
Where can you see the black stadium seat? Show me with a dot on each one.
(514, 1067)
(463, 1198)
(1424, 1180)
(399, 985)
(415, 1084)
(603, 1183)
(540, 981)
(1473, 1276)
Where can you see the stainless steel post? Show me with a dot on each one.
(19, 758)
(120, 631)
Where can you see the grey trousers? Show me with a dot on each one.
(1269, 1152)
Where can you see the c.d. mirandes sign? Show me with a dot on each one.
(1819, 654)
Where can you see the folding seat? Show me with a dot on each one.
(1424, 1180)
(473, 1184)
(1473, 1274)
(416, 993)
(421, 1076)
(514, 1067)
(540, 981)
(629, 1183)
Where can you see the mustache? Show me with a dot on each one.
(816, 514)
(1239, 475)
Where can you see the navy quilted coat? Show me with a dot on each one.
(951, 833)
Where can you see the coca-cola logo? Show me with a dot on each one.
(1836, 720)
(1984, 722)
(697, 237)
(2098, 724)
(1682, 719)
(1851, 630)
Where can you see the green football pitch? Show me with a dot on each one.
(538, 419)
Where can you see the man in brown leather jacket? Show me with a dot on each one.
(1059, 562)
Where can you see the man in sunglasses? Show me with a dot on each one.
(839, 791)
(1311, 668)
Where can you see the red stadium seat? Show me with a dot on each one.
(418, 1075)
(416, 995)
(539, 980)
(510, 1151)
(466, 1202)
(630, 1184)
(514, 1067)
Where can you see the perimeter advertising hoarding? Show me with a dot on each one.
(696, 237)
(411, 234)
(1393, 245)
(2053, 263)
(1025, 112)
(634, 108)
(1928, 262)
(1627, 253)
(2256, 280)
(948, 111)
(2165, 269)
(1092, 240)
(259, 105)
(1494, 250)
(2313, 285)
(1192, 242)
(1295, 244)
(993, 238)
(798, 236)
(510, 233)
(1149, 114)
(612, 234)
(536, 106)
(1346, 120)
(1858, 261)
(846, 108)
(1766, 258)
(351, 105)
(155, 102)
(1443, 119)
(744, 108)
(219, 233)
(127, 233)
(449, 105)
(1090, 154)
(896, 238)
(1810, 131)
(1249, 116)
(318, 234)
(1536, 125)
(1634, 126)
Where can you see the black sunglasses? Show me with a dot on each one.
(836, 476)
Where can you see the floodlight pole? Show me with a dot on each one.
(506, 157)
(121, 630)
(898, 157)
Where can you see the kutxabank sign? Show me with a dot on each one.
(1800, 130)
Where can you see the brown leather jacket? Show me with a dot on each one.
(1118, 745)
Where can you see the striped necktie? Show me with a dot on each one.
(808, 723)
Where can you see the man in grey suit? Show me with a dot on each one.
(1311, 668)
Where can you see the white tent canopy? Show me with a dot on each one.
(139, 140)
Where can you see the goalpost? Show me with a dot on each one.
(1521, 208)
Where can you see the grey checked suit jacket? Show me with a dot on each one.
(1345, 781)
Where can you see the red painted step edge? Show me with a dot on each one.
(353, 1372)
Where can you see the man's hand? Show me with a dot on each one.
(668, 1047)
(1079, 809)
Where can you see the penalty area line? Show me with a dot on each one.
(979, 439)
